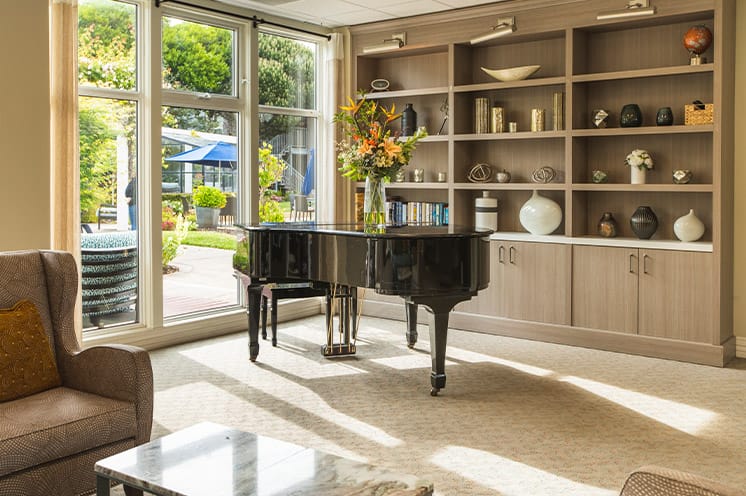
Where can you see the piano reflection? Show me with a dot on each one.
(434, 266)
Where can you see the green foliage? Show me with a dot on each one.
(287, 79)
(197, 57)
(209, 197)
(171, 243)
(208, 239)
(106, 44)
(271, 169)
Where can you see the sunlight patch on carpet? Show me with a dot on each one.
(267, 376)
(408, 362)
(677, 415)
(508, 477)
(474, 357)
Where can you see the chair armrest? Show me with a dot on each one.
(659, 481)
(115, 371)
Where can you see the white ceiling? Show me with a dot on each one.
(334, 13)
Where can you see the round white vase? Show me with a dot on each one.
(540, 215)
(637, 175)
(688, 227)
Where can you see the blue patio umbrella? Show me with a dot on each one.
(218, 154)
(308, 180)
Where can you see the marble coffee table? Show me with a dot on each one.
(211, 459)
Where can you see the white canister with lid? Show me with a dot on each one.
(485, 212)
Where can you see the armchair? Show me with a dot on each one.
(659, 481)
(51, 439)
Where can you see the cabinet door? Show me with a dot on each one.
(536, 282)
(488, 300)
(676, 295)
(604, 288)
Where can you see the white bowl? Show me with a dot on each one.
(512, 73)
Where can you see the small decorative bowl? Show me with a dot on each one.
(599, 176)
(682, 176)
(379, 84)
(512, 73)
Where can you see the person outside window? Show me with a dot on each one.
(131, 193)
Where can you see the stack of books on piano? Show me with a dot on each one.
(415, 212)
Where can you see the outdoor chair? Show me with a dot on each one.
(300, 208)
(62, 408)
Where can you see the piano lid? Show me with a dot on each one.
(389, 231)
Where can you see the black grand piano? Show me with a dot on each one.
(437, 267)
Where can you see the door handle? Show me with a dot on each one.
(645, 263)
(511, 259)
(631, 259)
(501, 254)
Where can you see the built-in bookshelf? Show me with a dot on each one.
(594, 64)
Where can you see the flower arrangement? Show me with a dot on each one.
(640, 159)
(373, 150)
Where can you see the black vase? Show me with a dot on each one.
(408, 120)
(630, 116)
(643, 222)
(664, 117)
(607, 226)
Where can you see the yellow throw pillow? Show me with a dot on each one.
(27, 365)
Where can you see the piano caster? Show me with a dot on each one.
(434, 391)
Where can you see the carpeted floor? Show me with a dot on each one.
(516, 417)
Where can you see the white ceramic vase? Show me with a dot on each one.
(637, 175)
(688, 227)
(540, 215)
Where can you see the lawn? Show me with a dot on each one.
(209, 239)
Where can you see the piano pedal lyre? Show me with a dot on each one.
(340, 300)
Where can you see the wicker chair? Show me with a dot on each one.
(50, 440)
(658, 481)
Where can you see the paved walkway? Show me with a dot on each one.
(204, 281)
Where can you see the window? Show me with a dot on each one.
(203, 110)
(107, 119)
(201, 167)
(288, 125)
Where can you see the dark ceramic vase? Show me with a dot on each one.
(607, 226)
(630, 116)
(664, 117)
(408, 120)
(643, 222)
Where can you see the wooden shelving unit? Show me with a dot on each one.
(596, 65)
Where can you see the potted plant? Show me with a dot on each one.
(208, 201)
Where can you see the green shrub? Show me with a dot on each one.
(209, 197)
(172, 243)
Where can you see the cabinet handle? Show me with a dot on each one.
(510, 254)
(645, 263)
(631, 259)
(501, 254)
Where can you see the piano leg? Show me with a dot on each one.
(264, 317)
(439, 308)
(411, 310)
(255, 297)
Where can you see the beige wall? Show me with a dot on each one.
(24, 125)
(739, 258)
(24, 137)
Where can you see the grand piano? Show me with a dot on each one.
(437, 267)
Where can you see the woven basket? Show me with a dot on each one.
(694, 116)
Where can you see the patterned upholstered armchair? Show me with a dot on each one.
(658, 481)
(102, 403)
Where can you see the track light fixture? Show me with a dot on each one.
(394, 43)
(505, 25)
(633, 8)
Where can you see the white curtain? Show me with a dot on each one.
(333, 205)
(63, 99)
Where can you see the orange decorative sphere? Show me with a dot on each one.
(698, 39)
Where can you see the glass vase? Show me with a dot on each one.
(374, 205)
